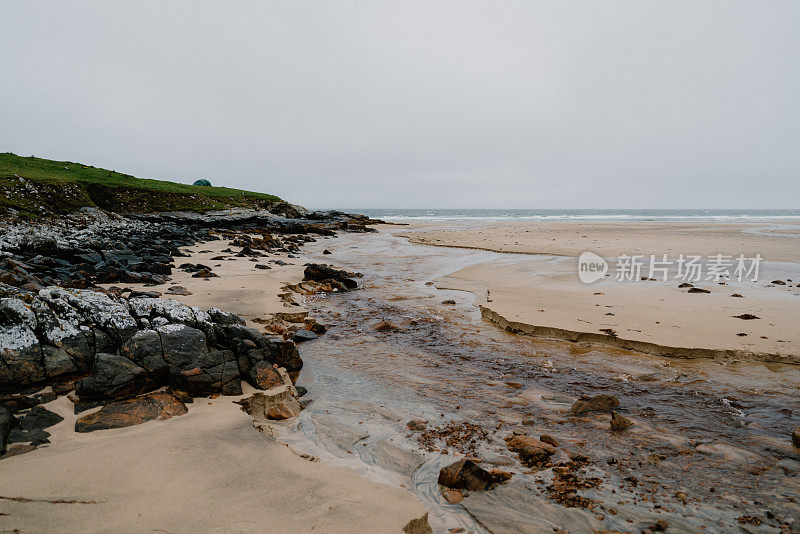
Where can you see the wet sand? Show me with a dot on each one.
(537, 291)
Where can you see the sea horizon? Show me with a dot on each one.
(503, 214)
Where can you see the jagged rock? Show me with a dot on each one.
(177, 290)
(216, 371)
(224, 318)
(21, 356)
(262, 375)
(181, 345)
(31, 426)
(277, 351)
(276, 404)
(323, 273)
(599, 403)
(6, 422)
(158, 405)
(303, 335)
(295, 317)
(465, 474)
(57, 362)
(145, 350)
(94, 308)
(114, 376)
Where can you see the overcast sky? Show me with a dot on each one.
(524, 104)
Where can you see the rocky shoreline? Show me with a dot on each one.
(137, 355)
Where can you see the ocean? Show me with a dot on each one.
(397, 214)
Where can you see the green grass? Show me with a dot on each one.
(63, 186)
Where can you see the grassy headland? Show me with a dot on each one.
(35, 187)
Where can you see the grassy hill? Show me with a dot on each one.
(36, 187)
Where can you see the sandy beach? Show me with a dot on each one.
(210, 470)
(537, 291)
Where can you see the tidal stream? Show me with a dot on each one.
(710, 448)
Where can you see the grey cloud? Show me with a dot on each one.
(428, 104)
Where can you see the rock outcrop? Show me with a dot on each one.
(157, 405)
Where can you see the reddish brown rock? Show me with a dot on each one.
(18, 448)
(385, 326)
(275, 404)
(157, 405)
(264, 376)
(550, 440)
(619, 422)
(465, 474)
(599, 403)
(417, 424)
(532, 452)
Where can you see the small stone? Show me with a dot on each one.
(599, 403)
(417, 424)
(452, 496)
(619, 422)
(796, 437)
(385, 326)
(449, 302)
(548, 439)
(698, 290)
(304, 335)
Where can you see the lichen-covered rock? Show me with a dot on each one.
(96, 308)
(172, 310)
(21, 356)
(158, 405)
(224, 318)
